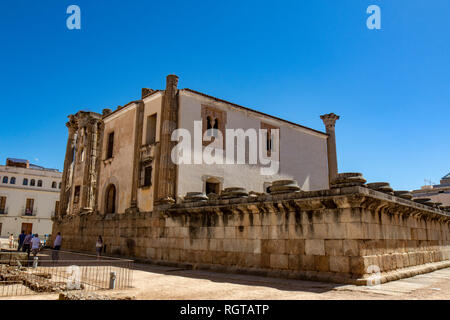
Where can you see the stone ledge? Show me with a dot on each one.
(340, 197)
(405, 272)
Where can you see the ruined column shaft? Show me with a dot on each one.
(330, 120)
(139, 124)
(92, 156)
(98, 167)
(166, 190)
(64, 195)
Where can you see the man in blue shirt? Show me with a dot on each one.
(21, 240)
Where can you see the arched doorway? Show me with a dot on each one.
(110, 205)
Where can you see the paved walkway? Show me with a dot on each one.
(156, 282)
(159, 282)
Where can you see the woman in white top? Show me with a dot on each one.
(11, 241)
(99, 246)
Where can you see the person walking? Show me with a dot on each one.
(21, 240)
(99, 246)
(35, 245)
(56, 247)
(27, 245)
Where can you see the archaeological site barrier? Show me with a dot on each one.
(350, 233)
(61, 271)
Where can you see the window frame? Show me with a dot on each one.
(110, 146)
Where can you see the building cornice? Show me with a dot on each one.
(21, 188)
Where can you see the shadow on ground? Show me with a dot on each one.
(241, 279)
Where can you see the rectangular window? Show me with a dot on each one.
(110, 149)
(146, 175)
(56, 207)
(2, 205)
(269, 137)
(212, 187)
(151, 129)
(29, 207)
(76, 195)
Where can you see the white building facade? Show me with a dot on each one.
(439, 193)
(29, 197)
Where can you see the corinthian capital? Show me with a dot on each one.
(329, 120)
(72, 124)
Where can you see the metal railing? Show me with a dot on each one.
(57, 271)
(29, 212)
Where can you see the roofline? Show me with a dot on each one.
(36, 171)
(256, 111)
(219, 100)
(130, 103)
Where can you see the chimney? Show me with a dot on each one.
(329, 120)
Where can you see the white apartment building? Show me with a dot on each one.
(29, 197)
(437, 193)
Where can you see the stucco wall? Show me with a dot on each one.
(119, 169)
(152, 105)
(303, 153)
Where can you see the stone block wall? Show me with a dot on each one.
(339, 235)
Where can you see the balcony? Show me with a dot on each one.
(29, 213)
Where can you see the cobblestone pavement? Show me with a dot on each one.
(159, 282)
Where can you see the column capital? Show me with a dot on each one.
(172, 81)
(329, 120)
(72, 124)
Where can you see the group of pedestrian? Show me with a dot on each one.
(31, 243)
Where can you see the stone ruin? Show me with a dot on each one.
(350, 233)
(38, 282)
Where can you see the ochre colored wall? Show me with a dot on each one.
(119, 169)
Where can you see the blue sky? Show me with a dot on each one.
(293, 59)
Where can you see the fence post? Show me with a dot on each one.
(35, 262)
(112, 280)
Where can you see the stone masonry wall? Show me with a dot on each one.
(338, 235)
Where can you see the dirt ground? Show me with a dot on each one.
(166, 283)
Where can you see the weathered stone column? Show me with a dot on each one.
(166, 189)
(98, 166)
(64, 195)
(91, 164)
(329, 120)
(139, 127)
